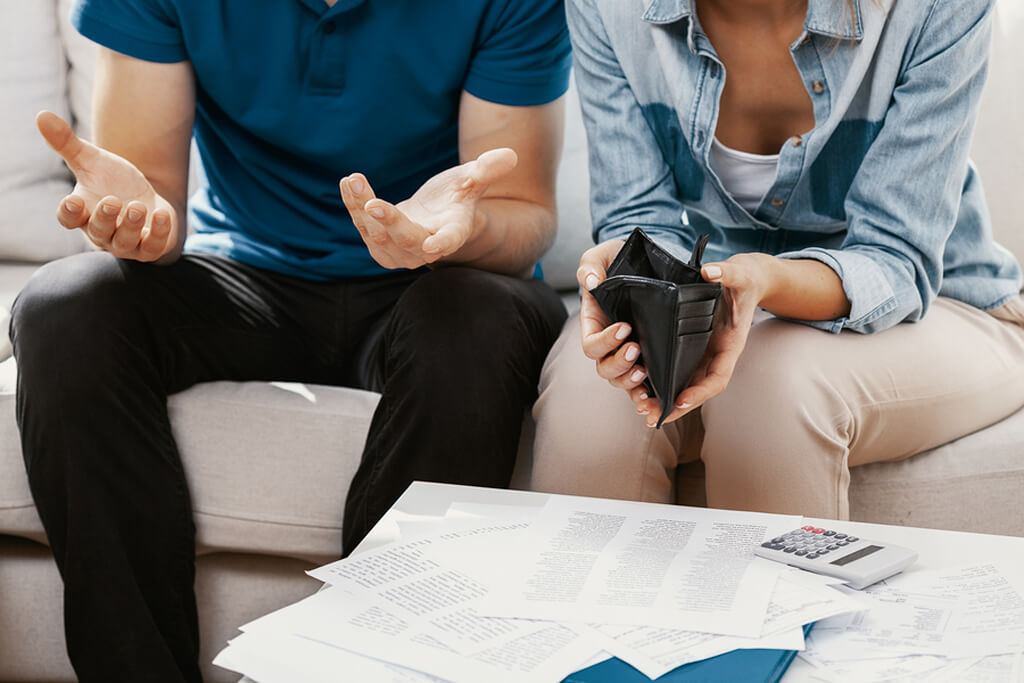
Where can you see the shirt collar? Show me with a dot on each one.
(825, 17)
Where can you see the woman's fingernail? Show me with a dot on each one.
(591, 281)
(134, 215)
(68, 206)
(637, 376)
(712, 272)
(357, 186)
(377, 212)
(683, 406)
(643, 396)
(109, 210)
(622, 332)
(631, 353)
(160, 220)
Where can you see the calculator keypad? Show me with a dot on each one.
(810, 542)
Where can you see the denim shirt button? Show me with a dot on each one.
(714, 70)
(818, 87)
(700, 139)
(796, 141)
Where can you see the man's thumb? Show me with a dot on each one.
(493, 165)
(59, 136)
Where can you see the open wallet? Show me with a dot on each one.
(669, 306)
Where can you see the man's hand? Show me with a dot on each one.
(746, 280)
(113, 202)
(435, 222)
(603, 340)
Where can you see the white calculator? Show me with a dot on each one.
(857, 561)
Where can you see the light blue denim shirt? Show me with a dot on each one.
(881, 189)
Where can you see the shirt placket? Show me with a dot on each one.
(794, 151)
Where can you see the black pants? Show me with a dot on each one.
(100, 343)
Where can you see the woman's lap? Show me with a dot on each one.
(802, 407)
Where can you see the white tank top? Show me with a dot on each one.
(747, 177)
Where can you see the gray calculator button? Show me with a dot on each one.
(778, 546)
(840, 535)
(812, 556)
(789, 549)
(833, 547)
(766, 545)
(776, 540)
(852, 539)
(829, 533)
(823, 551)
(841, 543)
(801, 552)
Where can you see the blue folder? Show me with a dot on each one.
(738, 665)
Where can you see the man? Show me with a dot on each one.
(417, 290)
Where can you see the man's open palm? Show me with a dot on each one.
(112, 202)
(432, 224)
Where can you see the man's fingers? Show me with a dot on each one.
(125, 241)
(60, 137)
(446, 241)
(72, 212)
(403, 232)
(355, 192)
(103, 222)
(155, 238)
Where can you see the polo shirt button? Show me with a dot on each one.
(796, 140)
(778, 203)
(329, 27)
(818, 87)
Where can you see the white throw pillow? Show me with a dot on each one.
(33, 179)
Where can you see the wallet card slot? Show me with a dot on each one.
(694, 309)
(694, 325)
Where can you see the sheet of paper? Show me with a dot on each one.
(971, 611)
(618, 562)
(415, 603)
(536, 651)
(285, 658)
(798, 599)
(919, 667)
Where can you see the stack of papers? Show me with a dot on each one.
(510, 593)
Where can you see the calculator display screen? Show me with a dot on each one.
(863, 552)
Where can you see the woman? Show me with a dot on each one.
(867, 314)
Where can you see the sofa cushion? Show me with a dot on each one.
(33, 178)
(268, 465)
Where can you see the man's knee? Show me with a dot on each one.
(67, 309)
(461, 310)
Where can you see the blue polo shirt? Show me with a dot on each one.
(293, 95)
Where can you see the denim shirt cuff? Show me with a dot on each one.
(866, 286)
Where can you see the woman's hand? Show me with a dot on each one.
(603, 340)
(746, 281)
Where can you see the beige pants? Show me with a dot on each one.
(803, 406)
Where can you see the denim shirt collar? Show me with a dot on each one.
(825, 17)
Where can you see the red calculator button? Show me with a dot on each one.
(807, 528)
(817, 531)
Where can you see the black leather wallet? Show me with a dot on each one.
(669, 306)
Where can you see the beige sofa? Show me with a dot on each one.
(269, 464)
